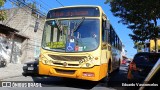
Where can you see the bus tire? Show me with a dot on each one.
(119, 66)
(109, 67)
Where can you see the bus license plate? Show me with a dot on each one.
(30, 68)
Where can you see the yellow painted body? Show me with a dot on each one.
(100, 72)
(152, 45)
(68, 65)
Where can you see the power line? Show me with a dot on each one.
(14, 2)
(60, 3)
(38, 12)
(40, 5)
(45, 3)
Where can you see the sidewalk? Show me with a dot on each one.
(11, 70)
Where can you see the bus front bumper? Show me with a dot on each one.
(92, 74)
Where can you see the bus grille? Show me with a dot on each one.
(67, 58)
(65, 71)
(68, 64)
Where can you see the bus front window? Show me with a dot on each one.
(78, 35)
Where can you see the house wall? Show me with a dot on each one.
(24, 21)
(5, 47)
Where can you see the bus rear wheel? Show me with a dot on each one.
(119, 66)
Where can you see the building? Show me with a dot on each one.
(27, 42)
(124, 53)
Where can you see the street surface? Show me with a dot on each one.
(56, 83)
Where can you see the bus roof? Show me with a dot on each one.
(78, 6)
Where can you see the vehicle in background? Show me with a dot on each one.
(141, 65)
(153, 77)
(127, 62)
(123, 61)
(30, 68)
(3, 62)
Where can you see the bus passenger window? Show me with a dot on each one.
(104, 32)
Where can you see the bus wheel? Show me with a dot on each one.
(109, 67)
(104, 80)
(119, 66)
(109, 70)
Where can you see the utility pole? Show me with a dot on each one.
(35, 34)
(12, 48)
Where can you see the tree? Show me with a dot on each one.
(3, 15)
(140, 15)
(2, 12)
(139, 46)
(2, 2)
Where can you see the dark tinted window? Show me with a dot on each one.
(146, 58)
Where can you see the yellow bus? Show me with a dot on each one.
(152, 45)
(79, 42)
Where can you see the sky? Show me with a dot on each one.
(122, 30)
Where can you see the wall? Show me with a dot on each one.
(23, 20)
(5, 47)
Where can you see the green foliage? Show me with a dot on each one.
(107, 1)
(139, 45)
(2, 2)
(3, 15)
(139, 15)
(2, 12)
(33, 6)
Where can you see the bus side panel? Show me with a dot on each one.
(103, 70)
(104, 63)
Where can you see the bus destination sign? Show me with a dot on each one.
(73, 12)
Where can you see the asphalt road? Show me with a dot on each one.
(55, 83)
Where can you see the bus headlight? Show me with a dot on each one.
(88, 64)
(43, 59)
(82, 61)
(49, 62)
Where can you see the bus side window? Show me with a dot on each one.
(103, 30)
(109, 36)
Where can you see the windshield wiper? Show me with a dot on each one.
(58, 25)
(77, 26)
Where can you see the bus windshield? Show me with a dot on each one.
(76, 35)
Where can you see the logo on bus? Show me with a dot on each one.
(64, 64)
